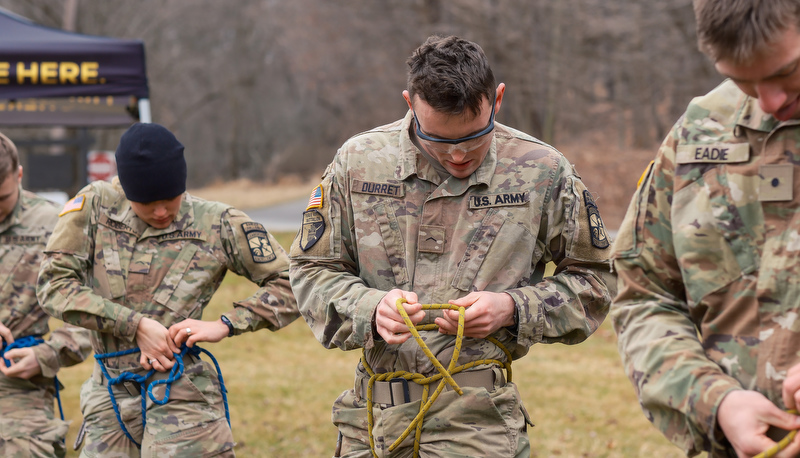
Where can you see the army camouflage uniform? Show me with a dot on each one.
(105, 269)
(708, 267)
(28, 426)
(387, 220)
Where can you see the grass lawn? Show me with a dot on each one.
(281, 387)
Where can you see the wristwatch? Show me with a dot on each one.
(228, 323)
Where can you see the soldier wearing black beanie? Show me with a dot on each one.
(150, 163)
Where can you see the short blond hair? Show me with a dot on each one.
(740, 29)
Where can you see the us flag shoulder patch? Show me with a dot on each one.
(315, 201)
(73, 205)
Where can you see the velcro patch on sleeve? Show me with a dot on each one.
(596, 226)
(73, 205)
(315, 201)
(258, 242)
(312, 229)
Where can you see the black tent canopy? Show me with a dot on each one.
(53, 77)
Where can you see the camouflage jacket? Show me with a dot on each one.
(707, 263)
(23, 235)
(385, 219)
(105, 268)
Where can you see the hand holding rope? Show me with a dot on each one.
(443, 376)
(175, 373)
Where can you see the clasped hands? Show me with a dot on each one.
(486, 312)
(158, 344)
(24, 364)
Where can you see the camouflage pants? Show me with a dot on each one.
(476, 424)
(28, 427)
(192, 423)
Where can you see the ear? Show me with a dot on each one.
(407, 96)
(501, 89)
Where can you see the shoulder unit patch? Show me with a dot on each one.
(313, 227)
(257, 240)
(596, 226)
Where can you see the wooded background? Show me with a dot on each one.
(262, 89)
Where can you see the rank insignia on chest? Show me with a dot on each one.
(596, 226)
(257, 240)
(313, 227)
(777, 182)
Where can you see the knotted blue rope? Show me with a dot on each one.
(174, 374)
(25, 342)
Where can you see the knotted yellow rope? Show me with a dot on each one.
(782, 444)
(443, 376)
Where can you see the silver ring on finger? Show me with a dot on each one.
(188, 331)
(151, 361)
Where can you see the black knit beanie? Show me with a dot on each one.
(150, 164)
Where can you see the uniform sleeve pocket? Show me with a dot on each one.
(628, 243)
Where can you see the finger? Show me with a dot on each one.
(144, 361)
(158, 366)
(410, 308)
(191, 340)
(174, 347)
(174, 331)
(781, 419)
(6, 334)
(164, 362)
(179, 338)
(14, 371)
(392, 326)
(395, 339)
(465, 301)
(792, 449)
(14, 353)
(445, 326)
(789, 392)
(411, 297)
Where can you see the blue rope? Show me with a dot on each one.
(174, 374)
(25, 342)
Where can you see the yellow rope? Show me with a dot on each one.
(443, 376)
(782, 444)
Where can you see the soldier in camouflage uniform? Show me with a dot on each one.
(28, 426)
(707, 256)
(136, 261)
(447, 205)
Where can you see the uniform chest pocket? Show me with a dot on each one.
(109, 275)
(713, 245)
(140, 263)
(166, 295)
(381, 249)
(498, 257)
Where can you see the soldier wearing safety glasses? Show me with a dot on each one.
(447, 206)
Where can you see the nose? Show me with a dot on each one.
(457, 154)
(160, 211)
(770, 97)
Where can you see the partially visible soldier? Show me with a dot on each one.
(447, 205)
(708, 255)
(136, 261)
(28, 426)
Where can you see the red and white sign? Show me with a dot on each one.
(101, 166)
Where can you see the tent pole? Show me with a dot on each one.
(144, 111)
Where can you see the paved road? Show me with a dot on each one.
(281, 218)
